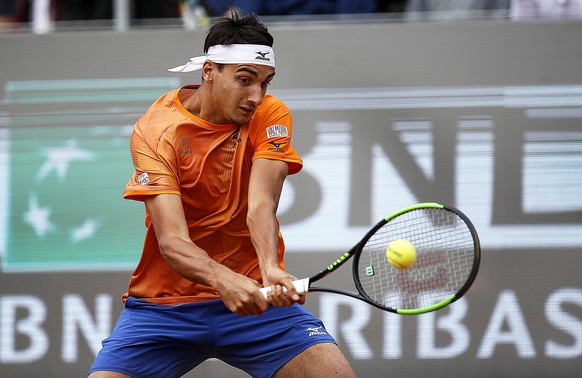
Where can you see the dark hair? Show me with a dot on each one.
(233, 28)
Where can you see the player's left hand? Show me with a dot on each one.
(282, 293)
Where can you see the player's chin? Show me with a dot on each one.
(245, 115)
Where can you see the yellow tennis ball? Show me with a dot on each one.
(401, 253)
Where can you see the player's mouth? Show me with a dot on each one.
(247, 110)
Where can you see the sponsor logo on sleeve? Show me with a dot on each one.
(277, 131)
(143, 179)
(276, 147)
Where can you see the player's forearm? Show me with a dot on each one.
(192, 262)
(263, 227)
(266, 183)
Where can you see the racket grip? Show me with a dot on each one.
(302, 286)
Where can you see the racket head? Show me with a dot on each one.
(448, 255)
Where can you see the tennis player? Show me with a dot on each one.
(210, 161)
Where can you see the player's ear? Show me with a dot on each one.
(207, 71)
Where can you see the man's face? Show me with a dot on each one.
(237, 90)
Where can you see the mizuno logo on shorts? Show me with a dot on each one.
(315, 331)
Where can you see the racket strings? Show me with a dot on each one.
(444, 260)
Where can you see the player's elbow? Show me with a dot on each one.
(260, 212)
(165, 246)
(169, 249)
(251, 218)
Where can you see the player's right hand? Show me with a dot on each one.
(240, 294)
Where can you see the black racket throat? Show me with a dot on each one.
(356, 249)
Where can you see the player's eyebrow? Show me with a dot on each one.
(253, 72)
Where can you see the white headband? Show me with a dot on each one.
(231, 54)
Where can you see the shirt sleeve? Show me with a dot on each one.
(154, 162)
(271, 132)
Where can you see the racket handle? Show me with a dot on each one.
(302, 286)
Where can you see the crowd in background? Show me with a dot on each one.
(18, 12)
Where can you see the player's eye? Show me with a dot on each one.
(244, 80)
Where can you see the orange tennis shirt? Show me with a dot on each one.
(208, 166)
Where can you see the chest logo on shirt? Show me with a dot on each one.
(277, 131)
(276, 147)
(183, 147)
(235, 139)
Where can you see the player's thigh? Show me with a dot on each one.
(320, 360)
(107, 374)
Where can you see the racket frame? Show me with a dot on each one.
(305, 285)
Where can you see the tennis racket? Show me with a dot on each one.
(447, 261)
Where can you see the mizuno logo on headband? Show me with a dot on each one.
(262, 56)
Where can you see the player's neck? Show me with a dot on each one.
(200, 103)
(192, 102)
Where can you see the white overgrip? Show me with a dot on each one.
(302, 286)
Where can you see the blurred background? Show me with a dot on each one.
(472, 103)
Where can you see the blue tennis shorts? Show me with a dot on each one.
(152, 340)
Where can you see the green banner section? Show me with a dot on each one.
(68, 163)
(66, 205)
